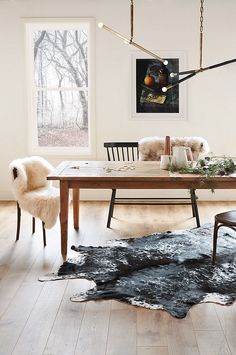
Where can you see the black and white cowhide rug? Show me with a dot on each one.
(170, 271)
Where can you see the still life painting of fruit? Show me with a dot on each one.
(151, 77)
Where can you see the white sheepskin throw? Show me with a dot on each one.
(151, 148)
(33, 191)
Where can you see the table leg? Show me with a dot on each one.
(76, 208)
(64, 200)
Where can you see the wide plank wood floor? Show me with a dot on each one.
(39, 318)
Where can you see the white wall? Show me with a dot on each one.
(159, 25)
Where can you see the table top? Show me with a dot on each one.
(125, 171)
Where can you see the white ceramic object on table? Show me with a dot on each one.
(166, 161)
(180, 156)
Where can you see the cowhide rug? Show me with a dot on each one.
(170, 271)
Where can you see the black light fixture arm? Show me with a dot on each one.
(197, 71)
(206, 68)
(220, 64)
(168, 87)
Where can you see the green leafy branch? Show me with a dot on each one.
(208, 167)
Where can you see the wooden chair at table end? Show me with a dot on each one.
(130, 151)
(225, 219)
(34, 193)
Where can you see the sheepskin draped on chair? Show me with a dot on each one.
(33, 192)
(151, 148)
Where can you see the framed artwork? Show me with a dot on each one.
(148, 77)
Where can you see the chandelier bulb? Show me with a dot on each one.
(165, 62)
(100, 25)
(164, 89)
(172, 75)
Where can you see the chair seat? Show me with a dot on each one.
(227, 218)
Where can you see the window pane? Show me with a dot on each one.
(60, 58)
(62, 118)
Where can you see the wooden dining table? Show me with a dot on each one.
(78, 175)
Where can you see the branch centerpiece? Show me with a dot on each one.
(208, 167)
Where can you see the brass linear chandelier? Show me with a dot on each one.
(188, 73)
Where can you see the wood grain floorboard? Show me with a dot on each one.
(39, 318)
(212, 343)
(152, 350)
(65, 331)
(122, 330)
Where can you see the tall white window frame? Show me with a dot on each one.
(59, 24)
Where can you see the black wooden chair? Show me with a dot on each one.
(128, 151)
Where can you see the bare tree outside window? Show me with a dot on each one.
(61, 82)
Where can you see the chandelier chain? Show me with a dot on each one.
(201, 31)
(131, 21)
(201, 15)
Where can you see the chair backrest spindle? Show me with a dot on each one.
(108, 154)
(122, 151)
